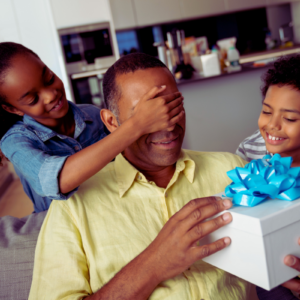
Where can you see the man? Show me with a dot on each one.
(131, 231)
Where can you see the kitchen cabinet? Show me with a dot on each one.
(68, 13)
(150, 12)
(234, 5)
(123, 14)
(270, 2)
(8, 25)
(201, 8)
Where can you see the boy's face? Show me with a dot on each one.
(31, 88)
(279, 121)
(147, 152)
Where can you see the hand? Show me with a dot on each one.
(175, 248)
(293, 262)
(162, 113)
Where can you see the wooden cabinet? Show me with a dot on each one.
(201, 8)
(123, 14)
(150, 12)
(234, 5)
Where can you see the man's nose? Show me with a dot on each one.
(49, 95)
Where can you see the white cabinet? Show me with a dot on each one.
(150, 12)
(8, 24)
(201, 8)
(271, 2)
(69, 13)
(123, 13)
(234, 5)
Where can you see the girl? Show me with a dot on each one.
(54, 144)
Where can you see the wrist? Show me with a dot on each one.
(134, 127)
(151, 266)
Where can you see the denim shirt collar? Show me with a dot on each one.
(46, 133)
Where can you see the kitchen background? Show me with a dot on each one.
(221, 109)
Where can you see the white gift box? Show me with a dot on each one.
(261, 237)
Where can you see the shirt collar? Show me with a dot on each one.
(46, 133)
(127, 173)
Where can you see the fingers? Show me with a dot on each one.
(293, 262)
(201, 252)
(175, 103)
(194, 207)
(203, 228)
(153, 92)
(175, 120)
(293, 284)
(171, 97)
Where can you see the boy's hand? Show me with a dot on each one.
(162, 113)
(293, 262)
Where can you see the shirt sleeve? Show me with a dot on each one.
(240, 151)
(60, 265)
(40, 169)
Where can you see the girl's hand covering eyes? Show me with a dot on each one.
(153, 113)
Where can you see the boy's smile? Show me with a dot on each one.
(279, 121)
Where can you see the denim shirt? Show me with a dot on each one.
(38, 153)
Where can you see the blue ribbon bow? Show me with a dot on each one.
(262, 178)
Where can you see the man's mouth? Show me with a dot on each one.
(274, 140)
(167, 143)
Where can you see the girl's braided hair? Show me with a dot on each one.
(7, 51)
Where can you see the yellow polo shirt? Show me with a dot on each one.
(114, 216)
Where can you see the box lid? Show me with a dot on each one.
(266, 217)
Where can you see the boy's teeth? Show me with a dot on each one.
(273, 138)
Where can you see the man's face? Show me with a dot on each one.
(158, 149)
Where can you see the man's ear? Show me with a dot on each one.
(109, 119)
(12, 110)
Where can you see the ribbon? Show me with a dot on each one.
(269, 177)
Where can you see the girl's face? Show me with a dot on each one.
(31, 88)
(279, 121)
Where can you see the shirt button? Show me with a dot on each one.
(139, 177)
(166, 194)
(76, 148)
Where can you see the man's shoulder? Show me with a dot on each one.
(215, 158)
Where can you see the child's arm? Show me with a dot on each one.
(150, 115)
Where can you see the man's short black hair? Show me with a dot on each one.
(286, 71)
(126, 64)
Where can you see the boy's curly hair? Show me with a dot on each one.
(286, 71)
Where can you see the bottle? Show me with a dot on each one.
(233, 57)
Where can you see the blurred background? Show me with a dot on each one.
(216, 49)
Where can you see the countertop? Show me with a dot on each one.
(246, 62)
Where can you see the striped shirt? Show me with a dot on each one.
(253, 147)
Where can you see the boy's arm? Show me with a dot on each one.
(152, 115)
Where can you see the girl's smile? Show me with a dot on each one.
(279, 121)
(31, 88)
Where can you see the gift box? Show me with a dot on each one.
(261, 236)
